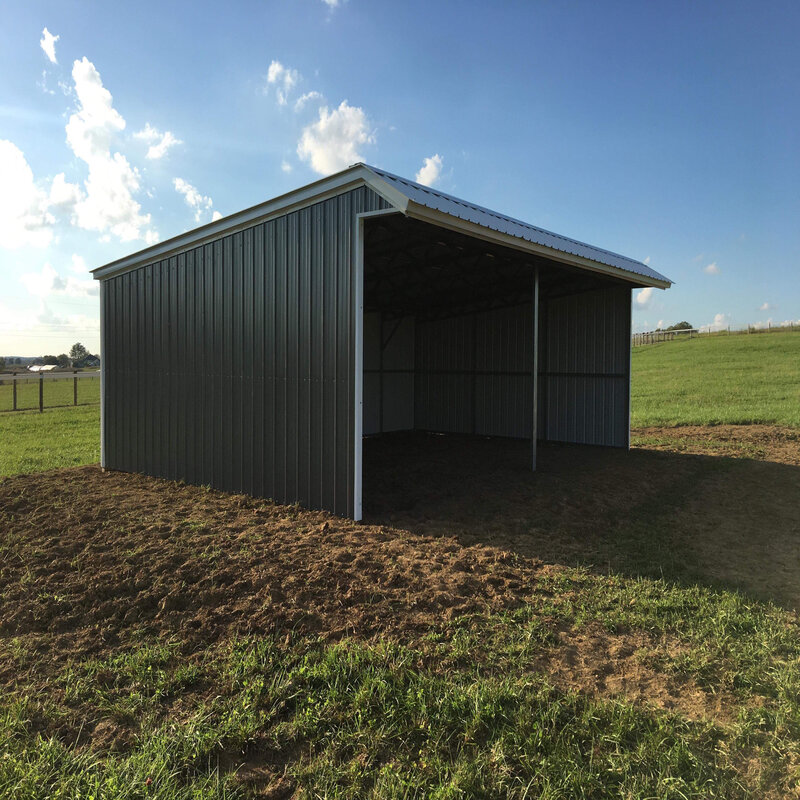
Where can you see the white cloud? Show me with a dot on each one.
(332, 142)
(430, 171)
(646, 261)
(108, 205)
(661, 324)
(78, 265)
(24, 218)
(48, 44)
(284, 79)
(64, 195)
(306, 98)
(48, 282)
(159, 142)
(196, 201)
(766, 307)
(720, 323)
(332, 3)
(286, 166)
(711, 269)
(215, 216)
(644, 296)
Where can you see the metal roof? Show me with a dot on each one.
(486, 218)
(413, 200)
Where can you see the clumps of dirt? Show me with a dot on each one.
(761, 442)
(95, 560)
(597, 662)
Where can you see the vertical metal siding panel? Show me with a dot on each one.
(208, 364)
(193, 390)
(345, 217)
(181, 371)
(329, 329)
(317, 343)
(304, 356)
(270, 363)
(248, 424)
(293, 358)
(260, 421)
(281, 325)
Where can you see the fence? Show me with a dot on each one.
(26, 391)
(652, 337)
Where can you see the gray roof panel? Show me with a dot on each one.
(447, 204)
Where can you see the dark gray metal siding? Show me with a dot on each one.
(585, 368)
(473, 373)
(232, 364)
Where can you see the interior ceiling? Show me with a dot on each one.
(413, 268)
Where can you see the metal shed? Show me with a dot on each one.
(253, 354)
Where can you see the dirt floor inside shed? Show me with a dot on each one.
(93, 561)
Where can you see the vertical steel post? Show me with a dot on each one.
(535, 370)
(75, 389)
(41, 393)
(14, 393)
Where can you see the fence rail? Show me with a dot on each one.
(653, 337)
(25, 391)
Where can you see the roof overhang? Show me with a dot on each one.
(352, 178)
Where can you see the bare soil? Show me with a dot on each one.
(94, 561)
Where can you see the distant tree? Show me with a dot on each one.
(78, 351)
(50, 360)
(3, 363)
(681, 326)
(63, 361)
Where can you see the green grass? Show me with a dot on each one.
(56, 392)
(717, 380)
(31, 441)
(465, 713)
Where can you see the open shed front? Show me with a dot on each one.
(460, 334)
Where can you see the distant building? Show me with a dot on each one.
(89, 361)
(42, 367)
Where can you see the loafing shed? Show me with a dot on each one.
(254, 354)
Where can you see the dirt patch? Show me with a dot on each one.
(761, 442)
(94, 560)
(599, 663)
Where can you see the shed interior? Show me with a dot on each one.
(449, 340)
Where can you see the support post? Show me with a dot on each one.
(535, 375)
(14, 391)
(41, 393)
(75, 389)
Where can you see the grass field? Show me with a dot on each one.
(58, 437)
(617, 625)
(56, 393)
(710, 381)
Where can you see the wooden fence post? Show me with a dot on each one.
(41, 393)
(14, 392)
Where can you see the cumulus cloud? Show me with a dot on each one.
(63, 194)
(286, 166)
(766, 307)
(430, 171)
(720, 323)
(48, 44)
(48, 282)
(332, 142)
(159, 142)
(107, 204)
(332, 3)
(711, 269)
(644, 296)
(199, 203)
(646, 261)
(306, 98)
(283, 79)
(24, 218)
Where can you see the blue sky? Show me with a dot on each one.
(663, 131)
